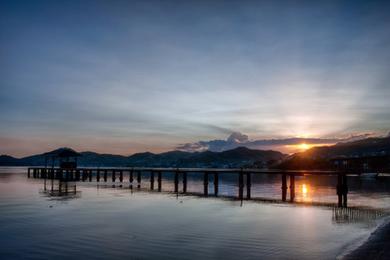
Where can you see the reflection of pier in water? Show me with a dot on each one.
(340, 215)
(355, 215)
(60, 189)
(133, 176)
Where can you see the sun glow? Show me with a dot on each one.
(304, 189)
(304, 146)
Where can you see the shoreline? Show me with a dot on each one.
(377, 246)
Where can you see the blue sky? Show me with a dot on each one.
(131, 76)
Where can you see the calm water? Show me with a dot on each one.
(112, 222)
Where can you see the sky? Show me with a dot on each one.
(132, 76)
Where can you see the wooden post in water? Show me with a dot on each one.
(216, 181)
(241, 185)
(84, 173)
(284, 187)
(248, 185)
(339, 189)
(90, 175)
(176, 181)
(345, 190)
(105, 175)
(139, 179)
(77, 175)
(98, 175)
(152, 180)
(292, 187)
(121, 175)
(113, 175)
(159, 180)
(184, 182)
(206, 183)
(131, 178)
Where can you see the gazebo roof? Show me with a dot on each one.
(63, 153)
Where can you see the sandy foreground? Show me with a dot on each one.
(376, 247)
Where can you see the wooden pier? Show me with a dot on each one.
(244, 178)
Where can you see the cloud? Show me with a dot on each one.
(237, 139)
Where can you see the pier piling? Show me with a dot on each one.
(284, 187)
(98, 175)
(292, 187)
(131, 178)
(206, 184)
(241, 185)
(105, 175)
(339, 189)
(159, 180)
(139, 179)
(216, 185)
(184, 182)
(345, 190)
(113, 175)
(248, 185)
(176, 181)
(121, 175)
(152, 180)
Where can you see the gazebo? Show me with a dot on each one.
(67, 158)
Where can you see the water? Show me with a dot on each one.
(112, 222)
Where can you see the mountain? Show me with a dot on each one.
(238, 157)
(7, 160)
(319, 157)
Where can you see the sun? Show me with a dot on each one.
(303, 146)
(304, 189)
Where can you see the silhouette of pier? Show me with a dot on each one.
(133, 176)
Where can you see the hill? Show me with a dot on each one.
(238, 157)
(319, 157)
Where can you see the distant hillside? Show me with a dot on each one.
(6, 160)
(239, 157)
(319, 157)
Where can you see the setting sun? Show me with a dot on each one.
(304, 189)
(304, 146)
